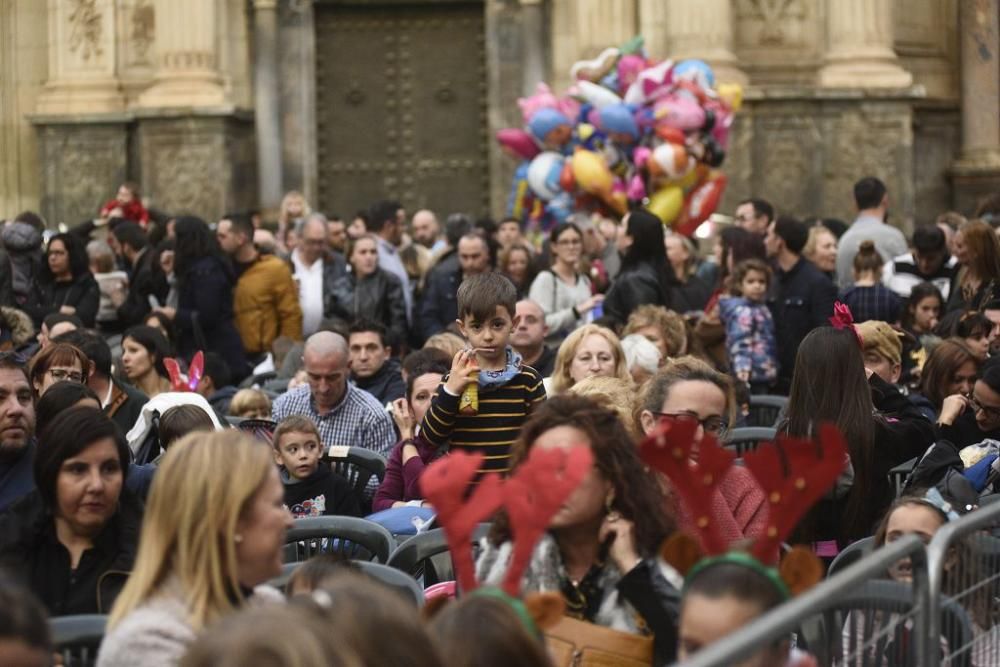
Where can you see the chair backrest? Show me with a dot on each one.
(395, 579)
(418, 556)
(766, 410)
(353, 538)
(869, 616)
(77, 638)
(746, 439)
(851, 554)
(359, 466)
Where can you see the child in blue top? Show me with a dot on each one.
(750, 340)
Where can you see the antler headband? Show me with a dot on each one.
(531, 495)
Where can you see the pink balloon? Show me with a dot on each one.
(636, 188)
(641, 155)
(518, 141)
(680, 112)
(629, 67)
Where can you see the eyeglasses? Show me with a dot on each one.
(569, 242)
(714, 425)
(60, 374)
(989, 411)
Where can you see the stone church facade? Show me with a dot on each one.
(215, 105)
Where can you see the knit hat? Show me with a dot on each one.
(882, 339)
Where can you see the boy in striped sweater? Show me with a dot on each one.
(507, 390)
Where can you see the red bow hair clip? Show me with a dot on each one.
(843, 319)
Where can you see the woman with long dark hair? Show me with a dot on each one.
(646, 275)
(65, 283)
(882, 429)
(204, 313)
(600, 549)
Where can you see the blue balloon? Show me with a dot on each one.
(618, 118)
(546, 120)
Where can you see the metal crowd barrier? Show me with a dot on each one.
(787, 619)
(963, 562)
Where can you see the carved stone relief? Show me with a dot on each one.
(142, 23)
(85, 29)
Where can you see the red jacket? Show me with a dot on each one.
(134, 211)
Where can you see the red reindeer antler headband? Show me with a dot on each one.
(531, 495)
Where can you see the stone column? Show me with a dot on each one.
(533, 45)
(187, 73)
(703, 29)
(860, 51)
(977, 171)
(268, 106)
(82, 56)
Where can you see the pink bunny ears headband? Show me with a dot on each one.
(178, 382)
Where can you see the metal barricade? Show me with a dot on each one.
(963, 562)
(788, 618)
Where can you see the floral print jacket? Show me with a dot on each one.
(753, 349)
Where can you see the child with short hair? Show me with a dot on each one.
(750, 339)
(507, 390)
(312, 488)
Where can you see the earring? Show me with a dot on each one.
(237, 538)
(608, 502)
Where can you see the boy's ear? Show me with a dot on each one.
(277, 455)
(461, 327)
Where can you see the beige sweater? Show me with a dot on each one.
(157, 633)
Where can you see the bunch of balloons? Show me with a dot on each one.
(629, 132)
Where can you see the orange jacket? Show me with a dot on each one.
(266, 305)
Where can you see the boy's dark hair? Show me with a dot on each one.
(53, 319)
(60, 397)
(746, 266)
(480, 295)
(991, 375)
(130, 233)
(217, 369)
(31, 218)
(792, 232)
(868, 193)
(928, 238)
(366, 326)
(178, 421)
(91, 344)
(295, 424)
(761, 207)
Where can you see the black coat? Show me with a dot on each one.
(386, 385)
(439, 302)
(30, 549)
(377, 297)
(635, 286)
(205, 305)
(801, 300)
(6, 280)
(146, 280)
(82, 293)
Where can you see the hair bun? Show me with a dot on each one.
(867, 247)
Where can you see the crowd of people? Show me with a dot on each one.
(131, 342)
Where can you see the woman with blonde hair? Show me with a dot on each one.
(214, 530)
(588, 351)
(978, 281)
(293, 207)
(664, 328)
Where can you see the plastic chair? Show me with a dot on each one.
(417, 556)
(869, 608)
(766, 410)
(353, 538)
(77, 638)
(746, 439)
(359, 466)
(851, 554)
(395, 579)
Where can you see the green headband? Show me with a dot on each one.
(747, 561)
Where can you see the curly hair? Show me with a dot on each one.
(638, 495)
(671, 326)
(561, 379)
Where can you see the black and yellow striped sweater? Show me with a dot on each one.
(502, 412)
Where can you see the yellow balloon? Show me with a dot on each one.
(731, 94)
(591, 172)
(666, 203)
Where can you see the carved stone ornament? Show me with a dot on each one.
(772, 14)
(85, 24)
(141, 30)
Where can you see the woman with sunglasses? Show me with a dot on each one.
(689, 390)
